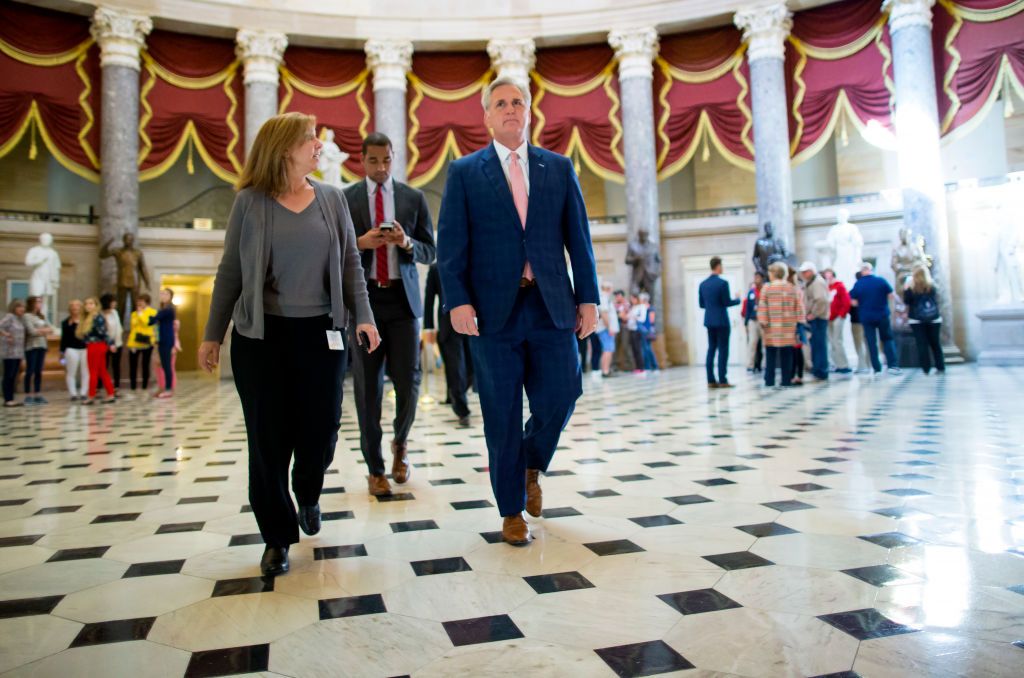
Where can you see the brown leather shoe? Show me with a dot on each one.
(401, 469)
(379, 485)
(534, 496)
(515, 531)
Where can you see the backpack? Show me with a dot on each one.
(925, 308)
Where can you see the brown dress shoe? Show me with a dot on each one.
(515, 531)
(534, 496)
(401, 469)
(379, 485)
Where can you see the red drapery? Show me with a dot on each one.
(979, 55)
(190, 100)
(576, 107)
(445, 114)
(334, 86)
(840, 62)
(50, 86)
(702, 95)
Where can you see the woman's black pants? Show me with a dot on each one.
(290, 385)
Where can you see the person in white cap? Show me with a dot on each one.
(817, 303)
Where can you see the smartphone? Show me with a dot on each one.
(387, 226)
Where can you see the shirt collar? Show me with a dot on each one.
(504, 151)
(389, 186)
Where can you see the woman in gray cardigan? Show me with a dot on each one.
(291, 280)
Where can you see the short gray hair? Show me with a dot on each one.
(524, 89)
(867, 266)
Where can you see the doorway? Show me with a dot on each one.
(192, 294)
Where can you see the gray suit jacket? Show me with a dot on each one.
(238, 288)
(412, 213)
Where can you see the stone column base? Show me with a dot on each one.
(1002, 335)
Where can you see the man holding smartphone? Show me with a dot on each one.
(394, 232)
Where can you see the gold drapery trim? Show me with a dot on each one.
(449, 146)
(1005, 75)
(290, 80)
(421, 90)
(737, 72)
(841, 108)
(697, 77)
(185, 82)
(954, 66)
(983, 15)
(34, 120)
(574, 90)
(83, 101)
(147, 113)
(188, 135)
(614, 120)
(666, 113)
(843, 51)
(46, 59)
(798, 98)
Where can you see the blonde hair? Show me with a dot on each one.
(72, 303)
(778, 270)
(85, 326)
(266, 164)
(922, 281)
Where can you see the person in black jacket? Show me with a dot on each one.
(922, 303)
(451, 343)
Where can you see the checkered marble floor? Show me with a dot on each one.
(867, 527)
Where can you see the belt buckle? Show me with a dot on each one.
(527, 282)
(384, 284)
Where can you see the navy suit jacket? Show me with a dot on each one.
(714, 299)
(484, 246)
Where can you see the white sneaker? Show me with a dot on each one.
(895, 370)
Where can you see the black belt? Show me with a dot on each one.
(386, 284)
(527, 282)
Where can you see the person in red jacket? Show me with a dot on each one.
(839, 310)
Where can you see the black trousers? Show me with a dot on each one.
(290, 385)
(453, 355)
(778, 356)
(146, 356)
(34, 359)
(929, 345)
(11, 367)
(718, 342)
(399, 353)
(114, 365)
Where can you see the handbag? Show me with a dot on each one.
(143, 339)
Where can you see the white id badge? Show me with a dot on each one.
(334, 340)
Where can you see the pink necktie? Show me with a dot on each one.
(517, 182)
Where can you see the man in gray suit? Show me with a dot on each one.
(394, 232)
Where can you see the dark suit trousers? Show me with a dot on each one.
(531, 353)
(718, 342)
(290, 385)
(454, 358)
(399, 350)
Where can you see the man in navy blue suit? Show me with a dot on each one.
(509, 214)
(715, 299)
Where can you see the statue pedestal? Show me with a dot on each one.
(1002, 336)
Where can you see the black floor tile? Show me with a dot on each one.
(78, 554)
(660, 464)
(23, 540)
(561, 581)
(481, 630)
(736, 467)
(882, 575)
(891, 540)
(353, 606)
(141, 493)
(820, 472)
(562, 512)
(154, 568)
(328, 515)
(53, 510)
(228, 661)
(238, 587)
(447, 481)
(688, 499)
(115, 518)
(245, 540)
(902, 513)
(614, 547)
(714, 482)
(656, 521)
(172, 528)
(331, 552)
(87, 488)
(866, 624)
(695, 602)
(413, 526)
(492, 537)
(440, 566)
(643, 659)
(765, 529)
(395, 496)
(471, 504)
(739, 560)
(119, 631)
(806, 487)
(596, 494)
(24, 607)
(632, 477)
(196, 500)
(561, 472)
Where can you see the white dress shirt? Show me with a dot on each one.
(389, 215)
(524, 162)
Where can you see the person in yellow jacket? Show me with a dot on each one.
(141, 340)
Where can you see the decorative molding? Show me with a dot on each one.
(765, 29)
(390, 61)
(121, 36)
(907, 13)
(512, 58)
(261, 51)
(635, 48)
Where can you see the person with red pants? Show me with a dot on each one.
(93, 331)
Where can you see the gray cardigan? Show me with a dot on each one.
(238, 288)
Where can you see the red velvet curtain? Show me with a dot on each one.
(191, 101)
(445, 113)
(50, 86)
(335, 86)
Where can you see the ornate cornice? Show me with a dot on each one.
(261, 51)
(390, 61)
(512, 58)
(121, 36)
(765, 29)
(907, 13)
(635, 49)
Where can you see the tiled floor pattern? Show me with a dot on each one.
(867, 527)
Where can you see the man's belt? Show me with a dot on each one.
(527, 282)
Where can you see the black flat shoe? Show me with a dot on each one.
(309, 519)
(274, 561)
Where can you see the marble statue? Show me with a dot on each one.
(331, 159)
(906, 256)
(643, 256)
(842, 250)
(45, 263)
(1009, 265)
(131, 269)
(770, 249)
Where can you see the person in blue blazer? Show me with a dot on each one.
(509, 214)
(715, 299)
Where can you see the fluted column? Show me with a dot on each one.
(513, 58)
(765, 29)
(390, 61)
(917, 138)
(635, 49)
(120, 35)
(261, 53)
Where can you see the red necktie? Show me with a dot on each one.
(382, 251)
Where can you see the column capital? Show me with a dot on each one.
(635, 48)
(906, 13)
(261, 52)
(513, 58)
(765, 28)
(390, 61)
(121, 35)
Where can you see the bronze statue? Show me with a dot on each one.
(768, 250)
(643, 256)
(131, 268)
